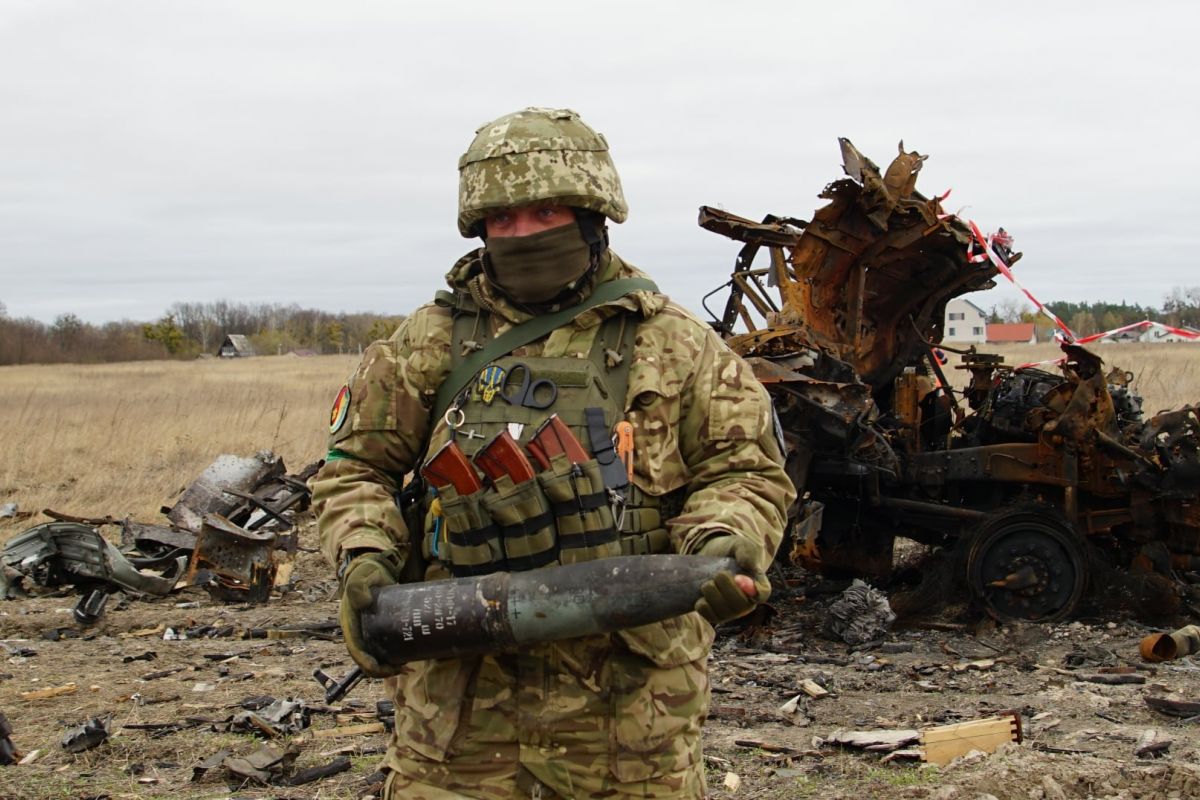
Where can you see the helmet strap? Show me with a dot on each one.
(594, 231)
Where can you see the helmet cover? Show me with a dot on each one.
(537, 155)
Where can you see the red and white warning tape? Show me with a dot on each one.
(1183, 333)
(985, 244)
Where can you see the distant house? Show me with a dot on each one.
(965, 322)
(1012, 333)
(1144, 331)
(236, 345)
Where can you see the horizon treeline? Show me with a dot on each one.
(1180, 309)
(189, 330)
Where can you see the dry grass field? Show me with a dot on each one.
(122, 439)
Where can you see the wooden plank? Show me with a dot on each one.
(945, 743)
(960, 730)
(1113, 680)
(813, 689)
(354, 717)
(52, 691)
(155, 631)
(349, 730)
(1152, 744)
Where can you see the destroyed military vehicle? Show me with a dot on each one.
(1037, 479)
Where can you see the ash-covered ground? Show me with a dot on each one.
(172, 702)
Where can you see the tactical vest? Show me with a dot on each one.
(566, 514)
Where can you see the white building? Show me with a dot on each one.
(965, 322)
(1144, 331)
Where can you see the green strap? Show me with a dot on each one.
(527, 332)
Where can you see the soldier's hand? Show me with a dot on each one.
(729, 596)
(359, 576)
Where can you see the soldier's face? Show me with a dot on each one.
(526, 220)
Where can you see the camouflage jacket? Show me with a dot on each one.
(702, 423)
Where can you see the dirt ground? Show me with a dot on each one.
(1080, 737)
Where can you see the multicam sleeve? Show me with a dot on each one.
(378, 428)
(727, 438)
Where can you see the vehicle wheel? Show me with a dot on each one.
(1027, 563)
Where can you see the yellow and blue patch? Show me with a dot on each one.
(340, 410)
(491, 381)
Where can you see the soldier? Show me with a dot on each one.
(591, 339)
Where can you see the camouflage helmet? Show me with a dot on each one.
(533, 155)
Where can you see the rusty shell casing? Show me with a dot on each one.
(472, 616)
(1170, 646)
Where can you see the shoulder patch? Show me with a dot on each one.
(340, 410)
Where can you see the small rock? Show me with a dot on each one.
(945, 793)
(970, 757)
(732, 782)
(1051, 789)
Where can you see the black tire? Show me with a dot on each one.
(1027, 563)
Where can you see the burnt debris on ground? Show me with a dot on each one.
(224, 532)
(198, 694)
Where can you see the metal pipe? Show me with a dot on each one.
(471, 616)
(931, 508)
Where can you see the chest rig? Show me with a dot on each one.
(571, 510)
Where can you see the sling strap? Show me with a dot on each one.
(530, 331)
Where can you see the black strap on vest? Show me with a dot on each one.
(613, 471)
(527, 332)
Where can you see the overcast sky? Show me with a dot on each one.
(157, 151)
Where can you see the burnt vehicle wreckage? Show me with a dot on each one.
(1034, 482)
(224, 531)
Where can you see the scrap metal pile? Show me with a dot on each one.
(224, 531)
(1037, 480)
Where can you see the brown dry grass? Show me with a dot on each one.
(123, 439)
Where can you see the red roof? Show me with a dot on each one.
(999, 333)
